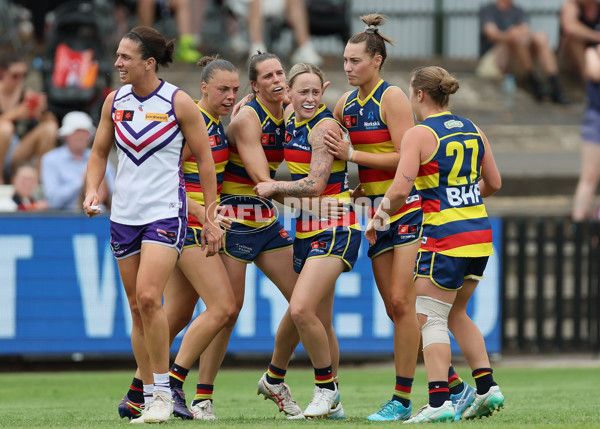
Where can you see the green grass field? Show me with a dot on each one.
(550, 397)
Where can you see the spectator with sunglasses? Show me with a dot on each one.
(27, 128)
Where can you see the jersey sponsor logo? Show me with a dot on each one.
(214, 140)
(176, 205)
(350, 121)
(318, 244)
(453, 124)
(160, 117)
(243, 249)
(464, 196)
(412, 199)
(371, 124)
(284, 233)
(407, 229)
(123, 115)
(141, 107)
(288, 137)
(267, 139)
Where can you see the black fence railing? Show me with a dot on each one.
(550, 286)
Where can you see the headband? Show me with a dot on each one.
(371, 29)
(141, 40)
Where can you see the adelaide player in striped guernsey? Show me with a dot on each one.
(198, 275)
(149, 120)
(450, 162)
(323, 248)
(255, 137)
(377, 114)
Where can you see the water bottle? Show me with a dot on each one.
(509, 86)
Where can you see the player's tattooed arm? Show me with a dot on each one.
(408, 178)
(320, 169)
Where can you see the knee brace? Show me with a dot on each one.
(435, 330)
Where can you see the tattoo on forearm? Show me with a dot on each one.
(408, 179)
(320, 169)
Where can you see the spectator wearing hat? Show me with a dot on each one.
(63, 168)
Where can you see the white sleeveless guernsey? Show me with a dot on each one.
(149, 184)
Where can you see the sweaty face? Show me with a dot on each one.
(306, 93)
(220, 92)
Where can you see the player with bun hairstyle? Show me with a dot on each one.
(256, 136)
(450, 162)
(377, 114)
(150, 120)
(201, 276)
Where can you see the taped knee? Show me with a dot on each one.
(435, 330)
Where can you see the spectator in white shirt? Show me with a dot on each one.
(63, 168)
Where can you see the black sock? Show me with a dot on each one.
(455, 382)
(484, 379)
(403, 390)
(177, 376)
(136, 391)
(203, 392)
(438, 393)
(324, 378)
(275, 375)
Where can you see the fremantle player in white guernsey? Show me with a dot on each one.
(149, 121)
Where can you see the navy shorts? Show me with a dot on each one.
(402, 232)
(449, 272)
(192, 237)
(590, 127)
(126, 240)
(244, 243)
(339, 242)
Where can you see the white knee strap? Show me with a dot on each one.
(435, 330)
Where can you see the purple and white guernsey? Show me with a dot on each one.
(149, 184)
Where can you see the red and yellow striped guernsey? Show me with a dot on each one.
(238, 186)
(220, 153)
(369, 133)
(298, 154)
(455, 222)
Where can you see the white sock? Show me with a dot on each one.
(161, 382)
(148, 394)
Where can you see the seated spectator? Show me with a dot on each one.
(296, 17)
(589, 175)
(27, 129)
(185, 46)
(25, 181)
(63, 168)
(506, 37)
(580, 28)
